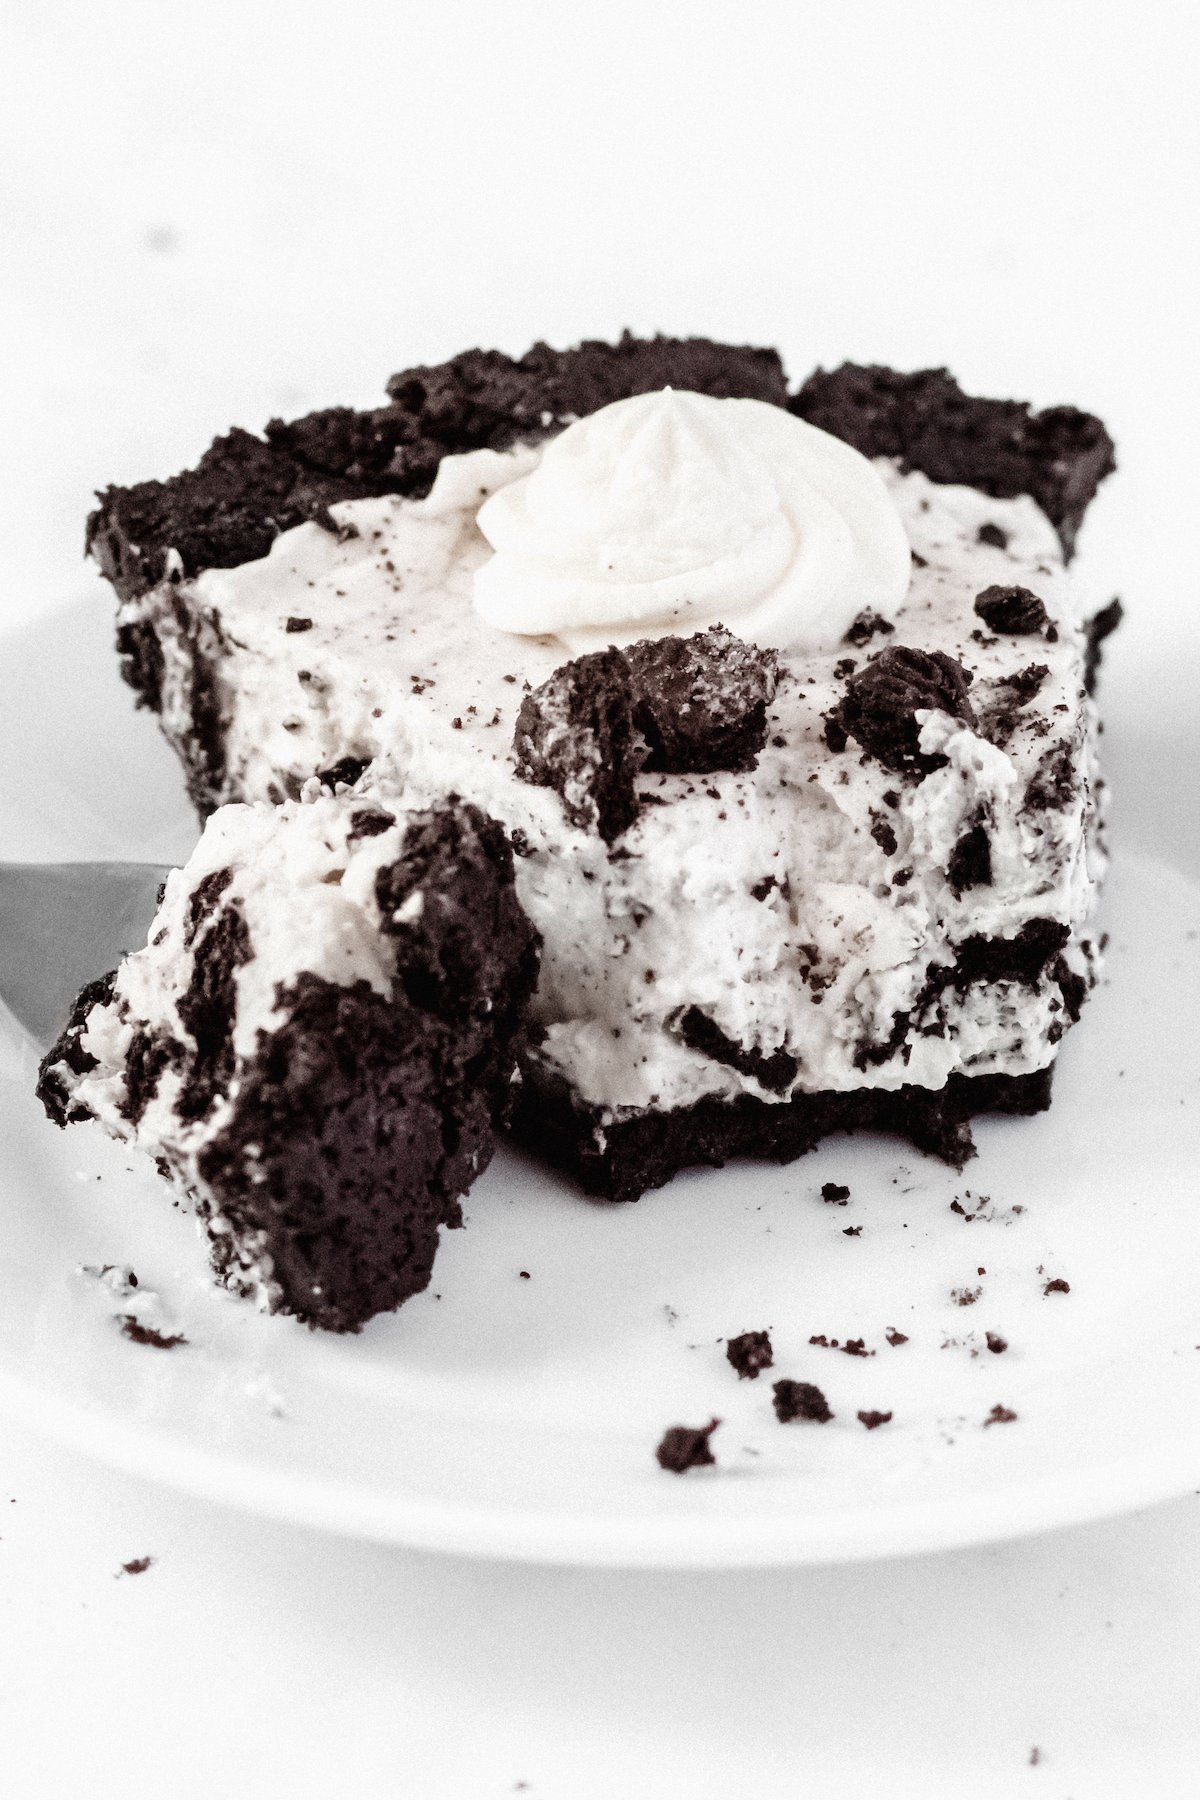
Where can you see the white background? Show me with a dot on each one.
(213, 214)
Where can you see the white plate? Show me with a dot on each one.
(518, 1417)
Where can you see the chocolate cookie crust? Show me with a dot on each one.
(620, 1159)
(1059, 456)
(246, 490)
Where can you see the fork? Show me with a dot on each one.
(62, 925)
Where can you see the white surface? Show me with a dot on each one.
(1015, 201)
(517, 1417)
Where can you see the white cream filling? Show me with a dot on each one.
(397, 665)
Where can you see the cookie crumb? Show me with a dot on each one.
(1000, 1415)
(750, 1353)
(686, 1447)
(137, 1333)
(800, 1400)
(873, 1420)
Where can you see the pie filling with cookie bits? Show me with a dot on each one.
(760, 717)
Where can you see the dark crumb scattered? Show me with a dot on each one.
(750, 1354)
(137, 1566)
(686, 1447)
(895, 1337)
(299, 625)
(800, 1400)
(965, 1296)
(873, 1420)
(833, 1195)
(869, 624)
(137, 1333)
(851, 1347)
(524, 1274)
(1035, 1757)
(1057, 1286)
(1000, 1415)
(995, 1343)
(992, 534)
(852, 1231)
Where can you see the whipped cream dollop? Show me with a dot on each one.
(671, 512)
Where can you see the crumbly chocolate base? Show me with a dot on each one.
(246, 490)
(1060, 456)
(622, 1159)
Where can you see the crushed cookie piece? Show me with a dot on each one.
(686, 1447)
(873, 1420)
(750, 1353)
(800, 1400)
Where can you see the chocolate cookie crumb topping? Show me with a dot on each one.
(701, 702)
(1014, 610)
(989, 533)
(970, 862)
(575, 733)
(873, 1420)
(879, 707)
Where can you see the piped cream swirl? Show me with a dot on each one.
(671, 512)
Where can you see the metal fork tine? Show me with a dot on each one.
(62, 925)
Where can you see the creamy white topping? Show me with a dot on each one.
(671, 512)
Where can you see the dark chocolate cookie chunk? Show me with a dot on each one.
(701, 702)
(1099, 627)
(1015, 610)
(775, 1070)
(681, 706)
(1059, 456)
(800, 1400)
(464, 947)
(576, 734)
(879, 707)
(686, 1447)
(750, 1353)
(970, 862)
